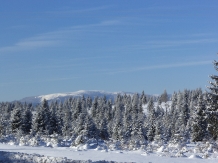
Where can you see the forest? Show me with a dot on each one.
(127, 122)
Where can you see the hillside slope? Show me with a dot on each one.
(60, 97)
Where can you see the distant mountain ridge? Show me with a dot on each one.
(60, 97)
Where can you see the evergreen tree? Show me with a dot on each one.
(89, 102)
(185, 108)
(159, 100)
(78, 109)
(90, 127)
(118, 119)
(127, 126)
(212, 105)
(151, 120)
(138, 132)
(66, 120)
(27, 120)
(54, 123)
(103, 131)
(94, 108)
(41, 122)
(199, 121)
(158, 132)
(164, 96)
(16, 119)
(143, 98)
(135, 104)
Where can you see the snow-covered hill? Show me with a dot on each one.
(62, 96)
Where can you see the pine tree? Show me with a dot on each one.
(79, 124)
(103, 131)
(164, 96)
(212, 105)
(78, 109)
(47, 115)
(143, 98)
(90, 127)
(127, 126)
(199, 121)
(54, 123)
(151, 120)
(167, 126)
(158, 132)
(138, 132)
(185, 108)
(41, 122)
(94, 108)
(16, 119)
(135, 104)
(118, 119)
(66, 120)
(89, 102)
(27, 120)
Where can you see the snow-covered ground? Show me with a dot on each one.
(61, 153)
(163, 105)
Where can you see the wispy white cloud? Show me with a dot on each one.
(100, 24)
(30, 43)
(186, 64)
(155, 67)
(114, 71)
(54, 38)
(38, 81)
(171, 43)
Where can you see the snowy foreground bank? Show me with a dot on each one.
(13, 153)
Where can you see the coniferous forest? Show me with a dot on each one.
(127, 122)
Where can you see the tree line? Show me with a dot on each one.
(188, 115)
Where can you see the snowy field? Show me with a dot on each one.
(63, 153)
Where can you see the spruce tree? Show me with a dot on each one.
(151, 120)
(54, 121)
(27, 120)
(143, 98)
(41, 122)
(164, 96)
(199, 121)
(185, 108)
(16, 119)
(212, 105)
(66, 120)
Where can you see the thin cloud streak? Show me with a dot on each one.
(171, 43)
(30, 44)
(55, 38)
(155, 67)
(109, 72)
(37, 81)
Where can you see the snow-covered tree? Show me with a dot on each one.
(151, 120)
(27, 120)
(41, 122)
(143, 98)
(212, 105)
(16, 119)
(159, 133)
(185, 108)
(164, 96)
(199, 121)
(66, 120)
(54, 121)
(89, 102)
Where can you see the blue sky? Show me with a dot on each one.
(64, 46)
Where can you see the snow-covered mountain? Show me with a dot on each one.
(62, 96)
